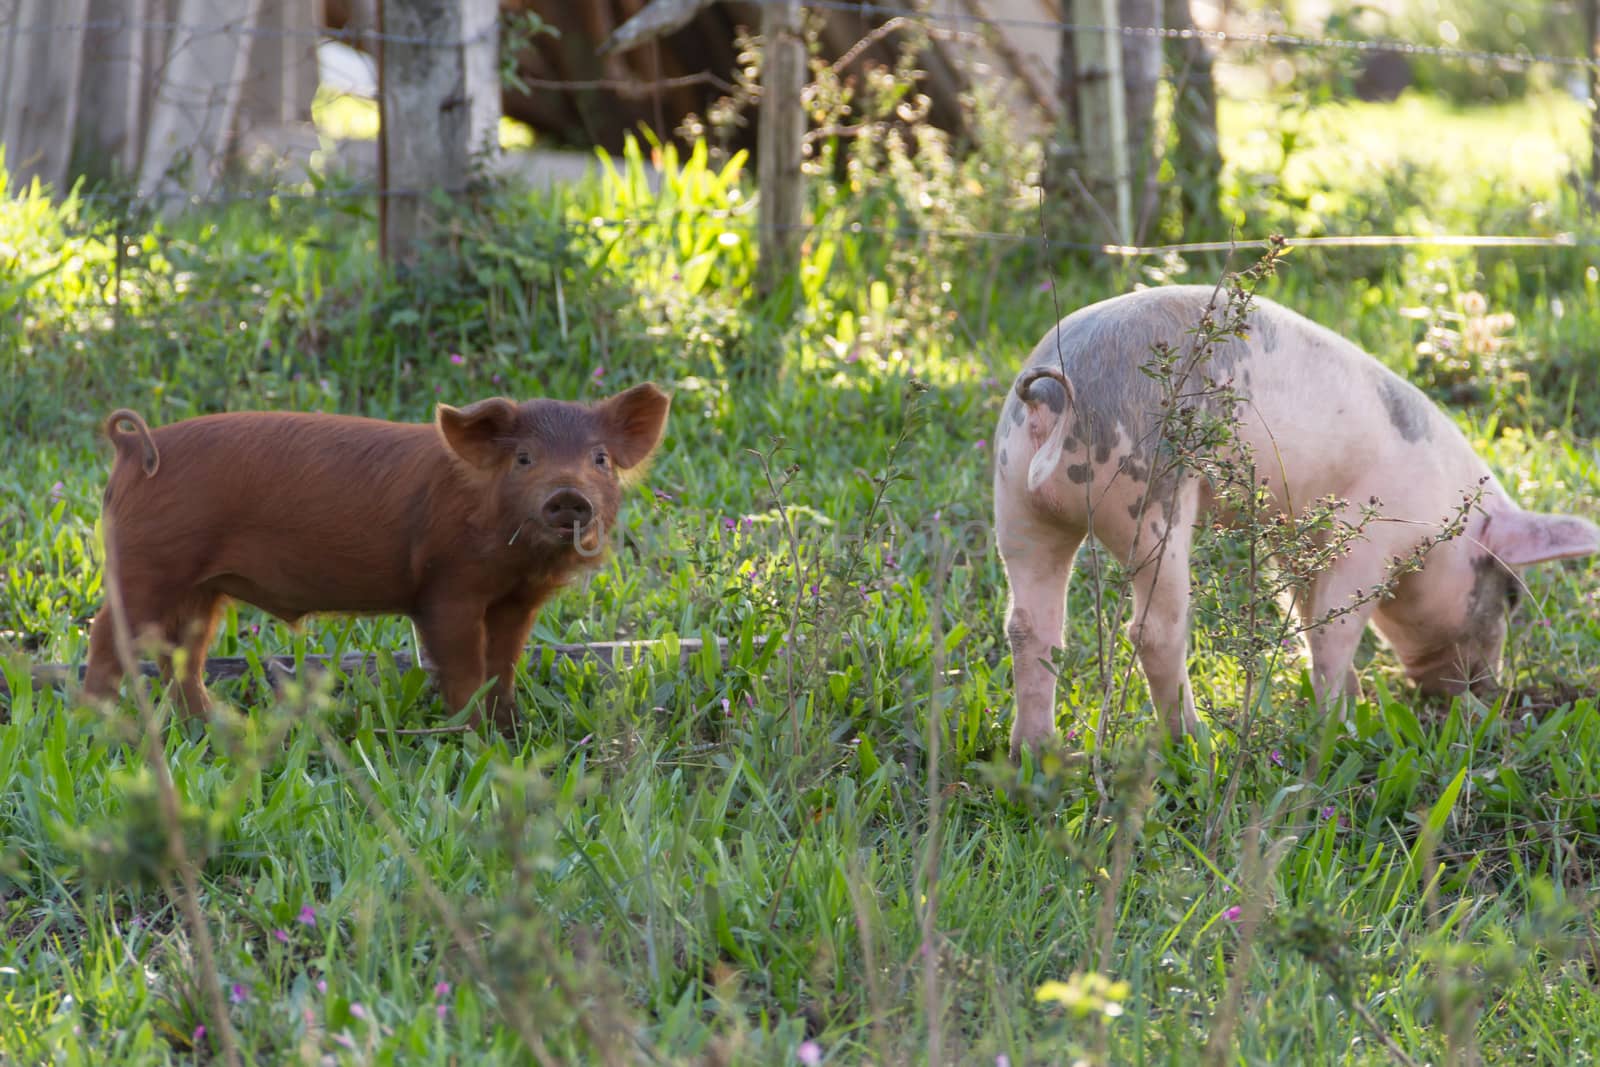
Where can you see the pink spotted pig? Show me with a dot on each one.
(1077, 452)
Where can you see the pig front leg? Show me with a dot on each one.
(1038, 561)
(507, 624)
(453, 635)
(1333, 651)
(1333, 644)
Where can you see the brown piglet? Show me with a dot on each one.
(467, 526)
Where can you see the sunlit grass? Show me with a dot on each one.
(346, 117)
(1527, 146)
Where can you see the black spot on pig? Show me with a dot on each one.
(1408, 408)
(1266, 331)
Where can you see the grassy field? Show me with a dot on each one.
(754, 858)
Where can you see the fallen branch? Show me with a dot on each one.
(611, 655)
(657, 19)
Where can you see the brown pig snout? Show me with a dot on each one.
(567, 507)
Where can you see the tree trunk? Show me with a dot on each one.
(1196, 154)
(282, 75)
(1064, 152)
(39, 88)
(112, 89)
(191, 118)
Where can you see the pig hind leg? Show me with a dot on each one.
(104, 672)
(1038, 556)
(146, 613)
(191, 629)
(156, 617)
(1159, 628)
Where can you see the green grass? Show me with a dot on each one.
(719, 861)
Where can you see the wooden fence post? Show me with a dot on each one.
(1111, 38)
(440, 107)
(778, 143)
(1591, 26)
(1101, 121)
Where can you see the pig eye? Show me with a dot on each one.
(524, 460)
(601, 459)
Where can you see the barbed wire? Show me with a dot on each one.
(1284, 40)
(201, 29)
(1557, 240)
(739, 219)
(240, 196)
(1257, 37)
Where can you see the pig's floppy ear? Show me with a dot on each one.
(634, 422)
(471, 432)
(1520, 538)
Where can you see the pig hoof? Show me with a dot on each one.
(1035, 743)
(505, 719)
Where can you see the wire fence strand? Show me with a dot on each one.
(1251, 37)
(1280, 40)
(244, 29)
(742, 220)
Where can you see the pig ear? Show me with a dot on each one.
(634, 422)
(473, 432)
(1520, 538)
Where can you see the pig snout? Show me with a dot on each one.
(1461, 674)
(566, 508)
